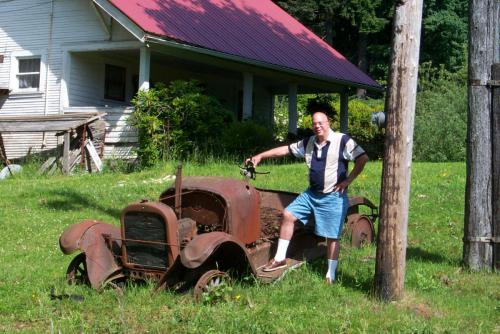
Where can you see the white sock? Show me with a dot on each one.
(281, 251)
(332, 268)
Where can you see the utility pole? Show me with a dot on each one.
(400, 108)
(483, 52)
(495, 71)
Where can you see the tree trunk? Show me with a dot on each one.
(400, 108)
(329, 30)
(362, 61)
(483, 47)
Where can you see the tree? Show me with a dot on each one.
(348, 22)
(444, 34)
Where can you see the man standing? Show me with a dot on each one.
(326, 154)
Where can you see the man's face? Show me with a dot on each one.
(320, 124)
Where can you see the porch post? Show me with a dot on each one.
(66, 72)
(292, 108)
(344, 118)
(144, 67)
(247, 95)
(271, 108)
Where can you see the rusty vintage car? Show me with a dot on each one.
(200, 229)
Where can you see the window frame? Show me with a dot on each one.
(123, 96)
(14, 72)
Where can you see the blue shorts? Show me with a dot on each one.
(329, 211)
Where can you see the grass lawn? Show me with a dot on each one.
(440, 296)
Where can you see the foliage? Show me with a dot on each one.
(281, 115)
(441, 115)
(444, 33)
(366, 134)
(348, 25)
(175, 120)
(360, 127)
(245, 138)
(440, 297)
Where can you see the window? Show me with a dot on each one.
(114, 83)
(28, 74)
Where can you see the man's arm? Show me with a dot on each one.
(272, 153)
(359, 164)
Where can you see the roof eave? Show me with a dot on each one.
(253, 62)
(121, 18)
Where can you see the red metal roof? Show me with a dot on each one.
(256, 30)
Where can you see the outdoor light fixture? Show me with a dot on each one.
(378, 118)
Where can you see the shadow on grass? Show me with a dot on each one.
(70, 200)
(363, 284)
(418, 254)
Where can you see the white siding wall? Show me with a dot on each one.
(86, 87)
(25, 26)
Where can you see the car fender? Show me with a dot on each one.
(203, 246)
(89, 237)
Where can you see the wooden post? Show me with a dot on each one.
(247, 96)
(144, 67)
(483, 46)
(396, 172)
(292, 110)
(3, 154)
(495, 118)
(65, 163)
(344, 112)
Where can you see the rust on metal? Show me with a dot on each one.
(178, 191)
(213, 198)
(155, 222)
(200, 229)
(88, 237)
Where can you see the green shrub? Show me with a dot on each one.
(360, 128)
(366, 134)
(245, 138)
(441, 115)
(174, 121)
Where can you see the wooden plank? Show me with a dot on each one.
(3, 154)
(46, 165)
(65, 165)
(38, 117)
(93, 155)
(49, 123)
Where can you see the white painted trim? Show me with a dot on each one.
(344, 112)
(14, 66)
(247, 95)
(112, 11)
(65, 80)
(144, 68)
(292, 108)
(103, 23)
(101, 46)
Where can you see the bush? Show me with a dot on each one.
(174, 121)
(246, 138)
(361, 129)
(441, 115)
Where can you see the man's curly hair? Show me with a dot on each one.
(313, 105)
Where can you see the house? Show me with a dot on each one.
(65, 56)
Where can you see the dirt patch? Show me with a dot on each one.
(270, 220)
